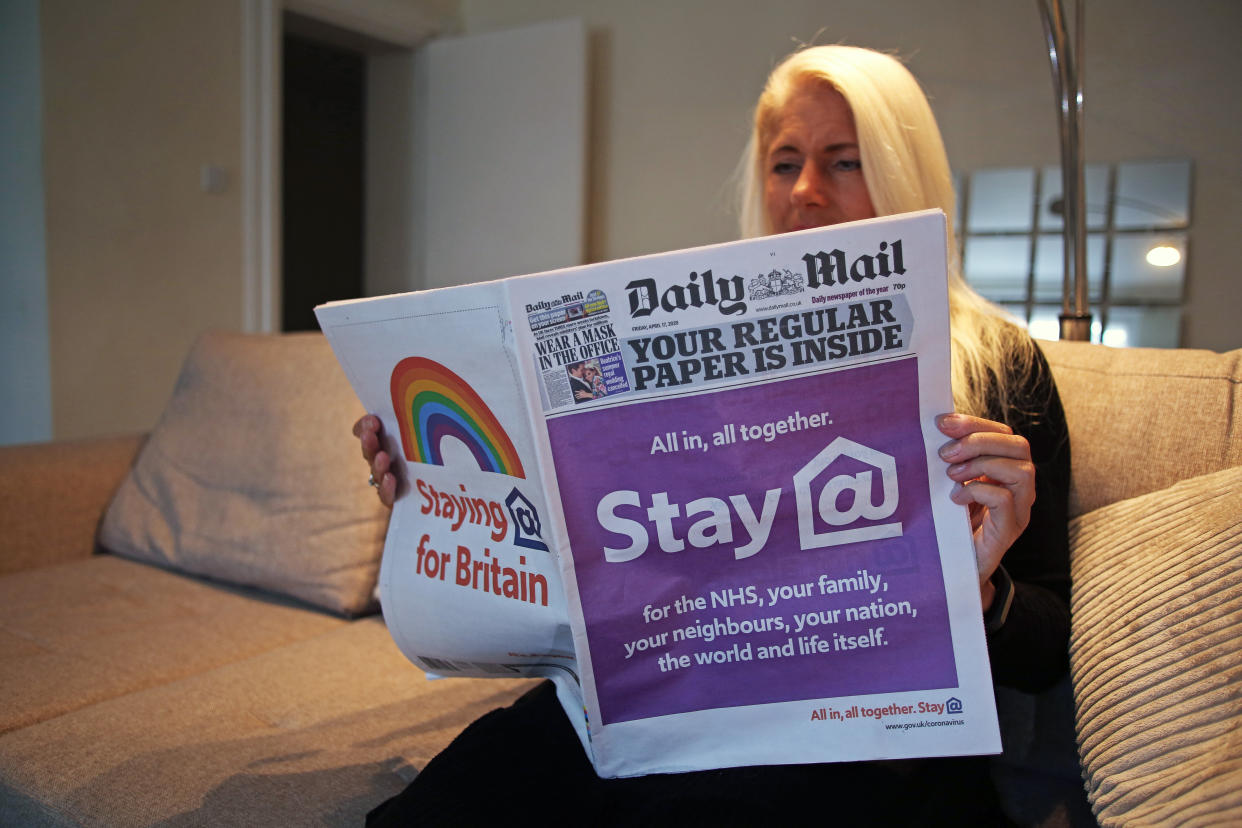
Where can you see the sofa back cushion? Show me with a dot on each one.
(1141, 419)
(251, 476)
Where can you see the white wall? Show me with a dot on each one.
(138, 95)
(25, 381)
(674, 80)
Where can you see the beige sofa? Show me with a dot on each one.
(226, 667)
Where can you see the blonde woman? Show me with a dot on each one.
(843, 133)
(840, 134)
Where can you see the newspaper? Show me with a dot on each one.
(699, 491)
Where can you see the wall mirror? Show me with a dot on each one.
(1138, 226)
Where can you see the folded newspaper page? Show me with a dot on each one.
(697, 490)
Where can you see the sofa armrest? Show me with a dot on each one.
(53, 495)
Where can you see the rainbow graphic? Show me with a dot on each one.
(431, 403)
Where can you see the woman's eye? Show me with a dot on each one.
(785, 168)
(849, 164)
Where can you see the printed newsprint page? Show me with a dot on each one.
(698, 490)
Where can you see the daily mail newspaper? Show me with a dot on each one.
(698, 490)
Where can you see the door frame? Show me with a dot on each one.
(404, 26)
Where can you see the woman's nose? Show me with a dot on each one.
(811, 188)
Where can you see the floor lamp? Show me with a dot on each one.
(1067, 83)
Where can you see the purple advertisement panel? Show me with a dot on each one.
(767, 543)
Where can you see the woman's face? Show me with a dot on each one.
(812, 172)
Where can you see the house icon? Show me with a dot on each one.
(859, 485)
(527, 527)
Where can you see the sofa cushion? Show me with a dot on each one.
(1141, 419)
(83, 632)
(251, 476)
(1156, 653)
(315, 733)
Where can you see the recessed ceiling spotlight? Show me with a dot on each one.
(1163, 255)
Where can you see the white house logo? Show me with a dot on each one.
(826, 505)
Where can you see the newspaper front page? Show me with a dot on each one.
(698, 490)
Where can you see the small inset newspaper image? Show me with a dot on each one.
(576, 348)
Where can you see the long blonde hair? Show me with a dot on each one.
(905, 167)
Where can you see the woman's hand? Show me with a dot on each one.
(367, 430)
(996, 479)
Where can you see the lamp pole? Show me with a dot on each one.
(1067, 83)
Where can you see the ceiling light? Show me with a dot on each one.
(1163, 256)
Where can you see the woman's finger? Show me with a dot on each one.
(380, 465)
(370, 445)
(387, 489)
(981, 444)
(1005, 507)
(959, 425)
(1006, 471)
(367, 422)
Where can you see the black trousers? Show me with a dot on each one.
(523, 764)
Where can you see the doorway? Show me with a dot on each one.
(323, 173)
